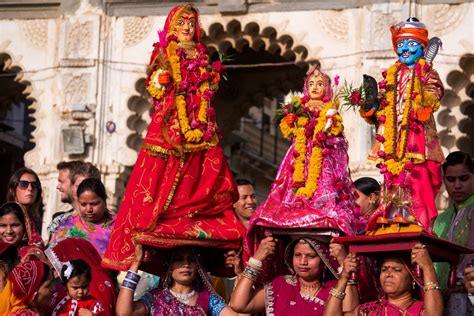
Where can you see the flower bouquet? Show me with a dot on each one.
(291, 108)
(353, 97)
(364, 98)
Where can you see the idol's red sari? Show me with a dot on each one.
(181, 192)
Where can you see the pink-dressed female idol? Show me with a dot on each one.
(313, 188)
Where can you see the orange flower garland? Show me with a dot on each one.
(298, 130)
(316, 159)
(191, 135)
(422, 103)
(300, 148)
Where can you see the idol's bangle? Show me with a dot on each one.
(131, 275)
(337, 294)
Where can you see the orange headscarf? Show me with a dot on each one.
(409, 29)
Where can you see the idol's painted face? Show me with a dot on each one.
(186, 27)
(409, 51)
(316, 87)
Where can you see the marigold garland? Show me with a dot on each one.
(174, 61)
(191, 133)
(416, 100)
(286, 130)
(299, 129)
(300, 149)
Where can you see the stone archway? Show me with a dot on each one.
(16, 120)
(457, 113)
(265, 65)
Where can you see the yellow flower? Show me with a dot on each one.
(286, 130)
(316, 158)
(300, 147)
(154, 88)
(302, 121)
(314, 172)
(295, 99)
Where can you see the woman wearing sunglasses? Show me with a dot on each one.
(24, 188)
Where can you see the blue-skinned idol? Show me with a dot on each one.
(407, 149)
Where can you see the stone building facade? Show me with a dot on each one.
(72, 74)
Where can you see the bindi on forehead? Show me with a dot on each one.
(188, 17)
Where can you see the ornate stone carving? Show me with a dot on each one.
(335, 23)
(444, 18)
(78, 41)
(381, 37)
(76, 89)
(136, 29)
(35, 31)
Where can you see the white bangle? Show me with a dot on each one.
(255, 262)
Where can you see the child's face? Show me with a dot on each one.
(78, 287)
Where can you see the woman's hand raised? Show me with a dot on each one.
(232, 259)
(351, 264)
(421, 256)
(338, 251)
(266, 248)
(138, 258)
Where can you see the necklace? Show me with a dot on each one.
(309, 292)
(310, 287)
(189, 48)
(183, 297)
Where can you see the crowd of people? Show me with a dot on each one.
(189, 239)
(66, 274)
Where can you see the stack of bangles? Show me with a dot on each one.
(431, 286)
(337, 294)
(252, 269)
(131, 281)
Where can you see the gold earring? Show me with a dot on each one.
(413, 284)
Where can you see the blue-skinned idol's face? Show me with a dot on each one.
(409, 51)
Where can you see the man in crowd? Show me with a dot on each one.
(244, 208)
(70, 176)
(65, 171)
(247, 203)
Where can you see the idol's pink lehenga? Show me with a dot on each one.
(332, 205)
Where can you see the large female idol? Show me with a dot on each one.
(181, 190)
